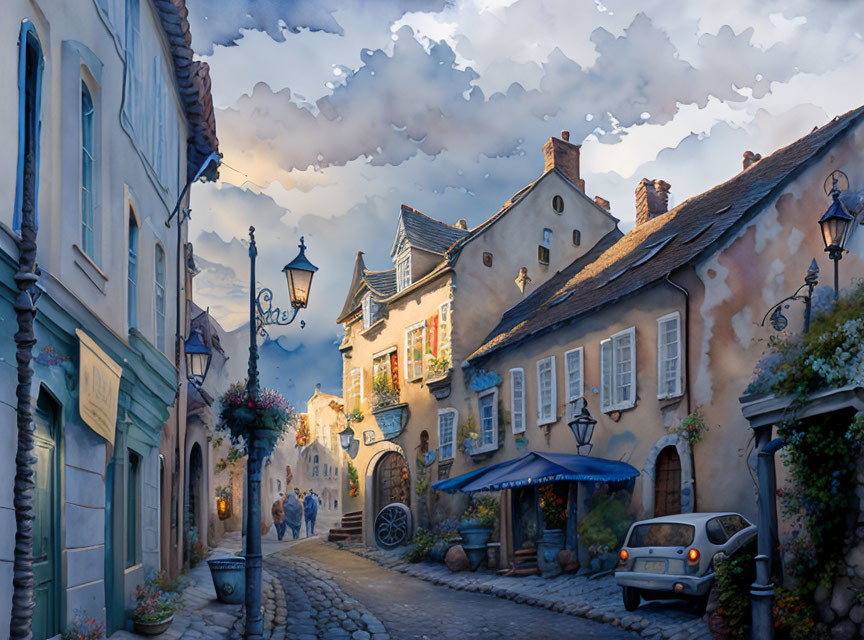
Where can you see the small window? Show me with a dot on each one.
(88, 243)
(488, 405)
(543, 254)
(132, 273)
(367, 311)
(159, 291)
(447, 422)
(558, 204)
(669, 356)
(354, 386)
(487, 259)
(546, 391)
(315, 467)
(547, 237)
(414, 349)
(577, 237)
(517, 400)
(573, 360)
(716, 534)
(618, 371)
(403, 272)
(444, 331)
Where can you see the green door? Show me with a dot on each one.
(45, 618)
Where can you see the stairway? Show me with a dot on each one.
(524, 564)
(351, 529)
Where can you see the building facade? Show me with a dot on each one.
(111, 120)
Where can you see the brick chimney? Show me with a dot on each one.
(603, 203)
(750, 159)
(562, 155)
(652, 199)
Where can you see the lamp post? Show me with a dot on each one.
(299, 274)
(582, 426)
(835, 225)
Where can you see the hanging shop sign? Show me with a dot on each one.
(99, 387)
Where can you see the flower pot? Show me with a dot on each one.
(550, 543)
(229, 579)
(391, 419)
(474, 536)
(153, 628)
(477, 554)
(439, 550)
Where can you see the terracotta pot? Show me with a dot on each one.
(153, 628)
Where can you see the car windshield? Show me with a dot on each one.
(661, 534)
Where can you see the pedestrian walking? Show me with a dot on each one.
(293, 514)
(310, 510)
(278, 514)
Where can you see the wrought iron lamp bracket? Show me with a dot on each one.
(269, 315)
(780, 321)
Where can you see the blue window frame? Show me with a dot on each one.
(132, 289)
(133, 519)
(87, 171)
(30, 65)
(159, 286)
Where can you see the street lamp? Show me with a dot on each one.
(346, 437)
(299, 273)
(197, 358)
(583, 427)
(835, 226)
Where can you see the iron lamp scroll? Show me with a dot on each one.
(778, 320)
(298, 274)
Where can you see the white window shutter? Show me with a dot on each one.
(606, 374)
(517, 400)
(553, 397)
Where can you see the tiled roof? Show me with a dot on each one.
(657, 247)
(193, 82)
(423, 232)
(382, 283)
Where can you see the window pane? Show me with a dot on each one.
(486, 420)
(574, 375)
(667, 534)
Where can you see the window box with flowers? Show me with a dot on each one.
(269, 415)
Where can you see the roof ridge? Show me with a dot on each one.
(405, 207)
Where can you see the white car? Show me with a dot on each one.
(673, 556)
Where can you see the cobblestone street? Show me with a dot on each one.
(334, 592)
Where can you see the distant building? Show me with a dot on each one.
(106, 120)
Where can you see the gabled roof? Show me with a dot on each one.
(422, 232)
(382, 283)
(659, 246)
(193, 82)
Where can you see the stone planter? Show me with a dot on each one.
(391, 419)
(477, 554)
(550, 543)
(153, 628)
(229, 579)
(475, 535)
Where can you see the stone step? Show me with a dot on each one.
(344, 537)
(350, 521)
(352, 513)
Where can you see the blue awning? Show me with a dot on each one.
(539, 468)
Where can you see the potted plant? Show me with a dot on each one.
(475, 527)
(554, 509)
(384, 394)
(84, 628)
(154, 608)
(269, 414)
(604, 527)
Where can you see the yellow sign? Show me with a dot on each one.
(98, 387)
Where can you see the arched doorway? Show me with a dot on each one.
(194, 497)
(391, 481)
(667, 483)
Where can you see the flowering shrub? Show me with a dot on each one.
(483, 512)
(353, 481)
(468, 436)
(734, 575)
(604, 526)
(692, 428)
(438, 366)
(153, 604)
(384, 393)
(239, 413)
(795, 617)
(554, 507)
(84, 628)
(425, 539)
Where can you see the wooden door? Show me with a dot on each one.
(667, 483)
(45, 538)
(391, 483)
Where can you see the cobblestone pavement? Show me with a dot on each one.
(329, 583)
(598, 600)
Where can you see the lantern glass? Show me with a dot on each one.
(197, 358)
(834, 225)
(299, 274)
(583, 427)
(346, 437)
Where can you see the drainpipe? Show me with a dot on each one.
(686, 337)
(762, 590)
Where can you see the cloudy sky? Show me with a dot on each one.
(331, 113)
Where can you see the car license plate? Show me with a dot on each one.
(655, 566)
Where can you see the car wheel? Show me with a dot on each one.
(631, 598)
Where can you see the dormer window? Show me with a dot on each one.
(403, 272)
(367, 311)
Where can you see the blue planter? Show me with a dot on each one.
(476, 555)
(391, 419)
(229, 579)
(474, 536)
(551, 542)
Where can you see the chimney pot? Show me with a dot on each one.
(750, 159)
(462, 223)
(603, 202)
(563, 155)
(652, 199)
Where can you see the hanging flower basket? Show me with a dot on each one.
(270, 414)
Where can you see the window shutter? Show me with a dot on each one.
(553, 391)
(606, 373)
(432, 335)
(573, 364)
(394, 369)
(517, 400)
